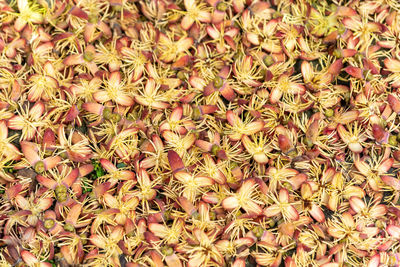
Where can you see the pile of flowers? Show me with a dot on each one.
(199, 133)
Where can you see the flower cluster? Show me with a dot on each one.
(199, 133)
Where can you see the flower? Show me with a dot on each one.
(28, 14)
(29, 120)
(114, 89)
(195, 12)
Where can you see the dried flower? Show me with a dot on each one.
(199, 133)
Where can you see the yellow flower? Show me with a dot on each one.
(27, 14)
